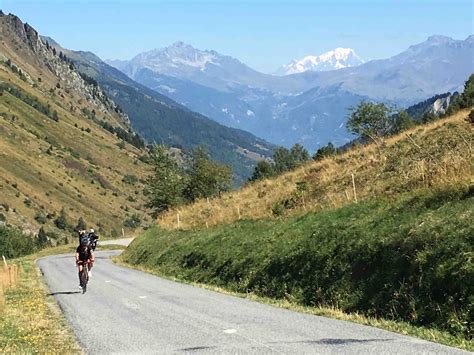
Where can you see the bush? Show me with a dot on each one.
(13, 243)
(40, 218)
(470, 118)
(61, 221)
(133, 221)
(130, 179)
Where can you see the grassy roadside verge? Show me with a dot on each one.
(404, 328)
(31, 321)
(406, 260)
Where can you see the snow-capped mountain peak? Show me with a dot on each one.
(177, 55)
(336, 59)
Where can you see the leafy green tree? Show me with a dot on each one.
(263, 170)
(42, 238)
(61, 221)
(298, 155)
(402, 122)
(207, 178)
(286, 160)
(370, 121)
(325, 151)
(468, 94)
(429, 117)
(282, 159)
(164, 188)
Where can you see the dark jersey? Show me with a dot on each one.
(85, 253)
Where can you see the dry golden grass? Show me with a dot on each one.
(49, 180)
(9, 277)
(31, 321)
(432, 155)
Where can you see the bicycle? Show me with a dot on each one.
(84, 275)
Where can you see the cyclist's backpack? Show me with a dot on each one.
(84, 240)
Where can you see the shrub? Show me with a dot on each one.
(470, 118)
(40, 218)
(133, 221)
(13, 243)
(130, 179)
(61, 221)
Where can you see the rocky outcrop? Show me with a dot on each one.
(57, 63)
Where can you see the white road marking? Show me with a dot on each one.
(107, 281)
(230, 331)
(142, 297)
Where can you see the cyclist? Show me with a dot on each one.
(84, 254)
(81, 233)
(93, 239)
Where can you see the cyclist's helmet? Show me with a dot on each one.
(92, 230)
(84, 240)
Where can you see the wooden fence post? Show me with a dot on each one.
(177, 217)
(2, 297)
(354, 188)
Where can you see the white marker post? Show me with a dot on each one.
(354, 188)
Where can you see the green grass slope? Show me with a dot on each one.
(408, 259)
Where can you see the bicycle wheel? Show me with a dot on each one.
(84, 277)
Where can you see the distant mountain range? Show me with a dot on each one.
(332, 60)
(161, 120)
(308, 107)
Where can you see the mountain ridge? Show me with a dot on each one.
(160, 119)
(311, 107)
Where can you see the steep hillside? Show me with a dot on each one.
(382, 231)
(54, 152)
(427, 156)
(403, 259)
(159, 119)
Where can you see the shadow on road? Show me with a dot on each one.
(335, 341)
(197, 348)
(64, 293)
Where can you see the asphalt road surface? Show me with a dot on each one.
(128, 311)
(121, 241)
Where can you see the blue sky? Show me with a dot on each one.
(262, 33)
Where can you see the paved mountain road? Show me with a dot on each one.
(128, 311)
(121, 241)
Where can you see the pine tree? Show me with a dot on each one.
(42, 238)
(61, 221)
(81, 224)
